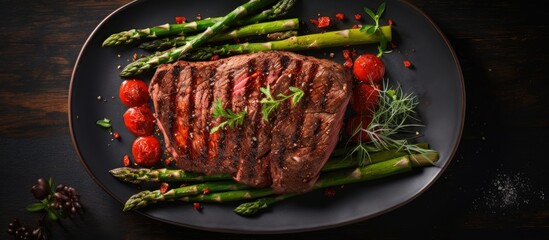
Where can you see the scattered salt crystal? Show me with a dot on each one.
(507, 192)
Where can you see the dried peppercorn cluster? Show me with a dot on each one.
(60, 202)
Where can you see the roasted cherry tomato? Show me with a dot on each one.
(352, 128)
(139, 120)
(365, 98)
(146, 151)
(369, 68)
(134, 93)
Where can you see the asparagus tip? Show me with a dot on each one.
(250, 208)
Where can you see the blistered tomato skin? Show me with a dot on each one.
(369, 68)
(352, 126)
(133, 92)
(365, 99)
(146, 151)
(139, 120)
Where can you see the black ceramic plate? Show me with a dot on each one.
(435, 78)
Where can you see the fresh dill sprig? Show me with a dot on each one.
(232, 118)
(374, 28)
(269, 103)
(394, 118)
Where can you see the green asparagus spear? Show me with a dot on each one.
(306, 42)
(225, 191)
(129, 36)
(167, 29)
(338, 161)
(139, 67)
(229, 195)
(339, 38)
(346, 176)
(363, 174)
(245, 31)
(145, 198)
(140, 175)
(251, 208)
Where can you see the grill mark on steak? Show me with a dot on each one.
(249, 149)
(282, 111)
(324, 95)
(304, 103)
(191, 151)
(224, 158)
(210, 92)
(201, 114)
(171, 113)
(216, 148)
(182, 115)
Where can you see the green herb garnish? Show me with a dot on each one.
(391, 124)
(105, 122)
(374, 28)
(232, 118)
(269, 103)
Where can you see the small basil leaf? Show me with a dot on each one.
(106, 123)
(380, 9)
(35, 207)
(370, 13)
(52, 216)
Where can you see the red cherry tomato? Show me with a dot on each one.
(352, 128)
(139, 120)
(369, 68)
(365, 99)
(134, 93)
(146, 151)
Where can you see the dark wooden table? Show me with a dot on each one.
(495, 187)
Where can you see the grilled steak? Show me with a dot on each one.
(286, 152)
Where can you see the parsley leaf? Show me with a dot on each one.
(232, 119)
(372, 29)
(269, 103)
(105, 122)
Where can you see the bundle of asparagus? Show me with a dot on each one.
(222, 28)
(339, 170)
(216, 24)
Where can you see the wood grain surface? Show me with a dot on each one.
(496, 187)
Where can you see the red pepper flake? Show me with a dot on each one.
(355, 26)
(206, 191)
(126, 160)
(214, 57)
(358, 17)
(321, 22)
(197, 206)
(340, 16)
(353, 53)
(164, 187)
(393, 44)
(167, 161)
(116, 135)
(134, 57)
(348, 60)
(329, 192)
(390, 21)
(180, 19)
(407, 63)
